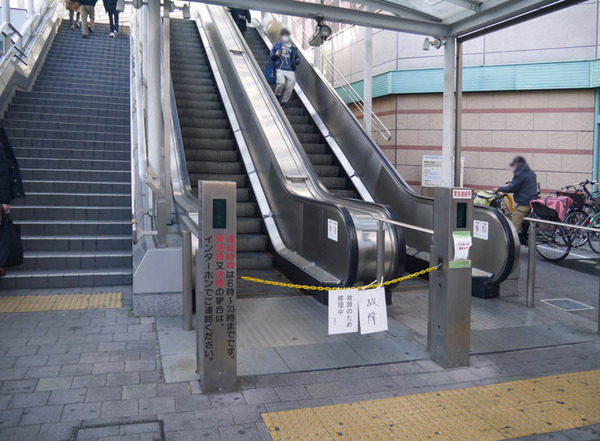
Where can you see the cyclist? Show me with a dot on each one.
(524, 189)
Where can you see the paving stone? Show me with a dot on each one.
(131, 355)
(214, 418)
(260, 396)
(94, 357)
(123, 379)
(247, 414)
(20, 351)
(63, 359)
(41, 415)
(98, 338)
(151, 376)
(108, 367)
(140, 365)
(20, 433)
(192, 402)
(7, 362)
(227, 400)
(32, 361)
(111, 346)
(199, 434)
(173, 389)
(179, 421)
(126, 336)
(89, 381)
(120, 408)
(139, 391)
(287, 393)
(43, 371)
(436, 378)
(103, 394)
(155, 406)
(52, 350)
(12, 373)
(10, 417)
(56, 383)
(69, 396)
(142, 344)
(19, 401)
(461, 375)
(81, 411)
(56, 432)
(243, 432)
(15, 386)
(43, 340)
(5, 401)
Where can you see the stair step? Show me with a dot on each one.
(58, 153)
(53, 212)
(40, 279)
(113, 187)
(47, 134)
(78, 164)
(75, 175)
(75, 243)
(72, 227)
(76, 199)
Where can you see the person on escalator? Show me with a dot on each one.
(285, 57)
(524, 189)
(241, 17)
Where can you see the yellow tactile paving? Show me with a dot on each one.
(61, 302)
(483, 413)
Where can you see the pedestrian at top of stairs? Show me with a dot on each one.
(113, 16)
(87, 10)
(11, 185)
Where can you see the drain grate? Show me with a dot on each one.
(126, 431)
(567, 304)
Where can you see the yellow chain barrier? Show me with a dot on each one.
(323, 288)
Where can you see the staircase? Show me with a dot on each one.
(211, 151)
(318, 151)
(71, 136)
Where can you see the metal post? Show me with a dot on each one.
(186, 251)
(368, 79)
(531, 263)
(448, 112)
(5, 11)
(458, 115)
(380, 251)
(30, 8)
(167, 108)
(155, 117)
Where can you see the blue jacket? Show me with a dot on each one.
(11, 186)
(523, 185)
(280, 62)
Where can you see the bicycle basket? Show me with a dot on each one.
(577, 196)
(484, 198)
(544, 212)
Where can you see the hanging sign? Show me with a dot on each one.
(343, 311)
(373, 311)
(481, 230)
(332, 229)
(462, 245)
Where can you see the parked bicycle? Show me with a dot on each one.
(553, 242)
(585, 212)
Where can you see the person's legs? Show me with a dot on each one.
(116, 21)
(279, 88)
(84, 23)
(519, 213)
(71, 14)
(111, 21)
(92, 13)
(290, 82)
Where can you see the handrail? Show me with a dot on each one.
(404, 225)
(350, 92)
(561, 224)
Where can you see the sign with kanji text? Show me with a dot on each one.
(481, 229)
(372, 310)
(462, 193)
(343, 311)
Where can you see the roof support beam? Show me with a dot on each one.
(400, 10)
(495, 11)
(342, 15)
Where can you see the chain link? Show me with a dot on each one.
(324, 288)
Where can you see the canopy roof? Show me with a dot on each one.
(439, 18)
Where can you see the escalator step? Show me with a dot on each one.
(212, 155)
(304, 128)
(231, 168)
(344, 193)
(251, 242)
(204, 123)
(334, 183)
(248, 225)
(193, 132)
(254, 261)
(191, 143)
(327, 170)
(190, 113)
(240, 180)
(320, 159)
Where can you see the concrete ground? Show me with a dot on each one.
(93, 369)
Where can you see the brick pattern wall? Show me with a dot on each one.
(553, 130)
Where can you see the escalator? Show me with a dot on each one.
(318, 151)
(211, 152)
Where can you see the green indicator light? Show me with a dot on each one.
(219, 214)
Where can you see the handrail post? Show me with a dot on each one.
(186, 251)
(380, 262)
(531, 263)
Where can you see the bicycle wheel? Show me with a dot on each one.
(594, 238)
(553, 242)
(578, 237)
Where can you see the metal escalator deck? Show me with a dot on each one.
(211, 153)
(319, 153)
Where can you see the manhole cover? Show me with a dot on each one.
(134, 430)
(567, 304)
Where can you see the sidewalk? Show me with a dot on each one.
(100, 370)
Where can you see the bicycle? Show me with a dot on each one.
(585, 212)
(553, 241)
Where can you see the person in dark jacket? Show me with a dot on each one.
(87, 8)
(285, 57)
(113, 17)
(524, 189)
(241, 18)
(11, 186)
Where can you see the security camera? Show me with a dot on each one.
(186, 12)
(321, 34)
(436, 43)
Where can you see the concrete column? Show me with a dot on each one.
(30, 8)
(368, 78)
(167, 105)
(448, 112)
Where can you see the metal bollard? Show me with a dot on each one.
(531, 263)
(380, 262)
(186, 250)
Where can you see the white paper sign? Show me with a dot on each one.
(373, 311)
(431, 171)
(332, 229)
(481, 230)
(462, 245)
(343, 311)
